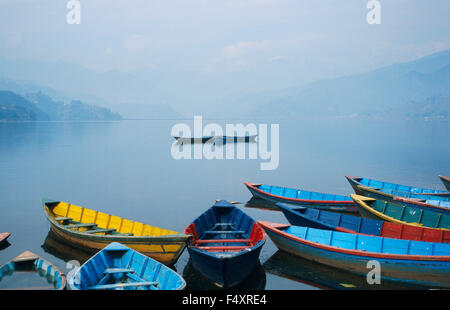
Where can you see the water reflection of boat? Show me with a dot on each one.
(256, 280)
(57, 247)
(320, 276)
(258, 203)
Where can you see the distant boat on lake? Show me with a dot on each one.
(216, 139)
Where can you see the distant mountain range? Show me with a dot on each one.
(416, 89)
(40, 107)
(420, 88)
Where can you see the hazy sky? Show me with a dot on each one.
(292, 41)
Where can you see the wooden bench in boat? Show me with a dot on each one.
(117, 270)
(75, 224)
(222, 248)
(62, 218)
(224, 232)
(223, 241)
(81, 225)
(101, 230)
(122, 285)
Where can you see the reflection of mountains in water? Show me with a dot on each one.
(324, 277)
(64, 251)
(196, 281)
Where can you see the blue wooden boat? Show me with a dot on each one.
(118, 267)
(302, 197)
(28, 271)
(446, 181)
(388, 190)
(416, 262)
(225, 245)
(327, 220)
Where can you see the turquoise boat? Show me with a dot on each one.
(28, 271)
(118, 267)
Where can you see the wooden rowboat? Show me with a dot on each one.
(417, 262)
(225, 245)
(216, 139)
(28, 271)
(302, 197)
(93, 230)
(386, 190)
(398, 213)
(321, 219)
(118, 267)
(446, 181)
(4, 236)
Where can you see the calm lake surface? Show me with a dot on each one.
(125, 168)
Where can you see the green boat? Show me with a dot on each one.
(398, 213)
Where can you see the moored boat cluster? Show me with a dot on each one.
(405, 229)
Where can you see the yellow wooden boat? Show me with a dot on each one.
(93, 230)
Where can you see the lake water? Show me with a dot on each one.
(125, 168)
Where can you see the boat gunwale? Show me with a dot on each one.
(343, 202)
(274, 227)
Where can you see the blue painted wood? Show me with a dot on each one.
(419, 262)
(302, 197)
(404, 191)
(226, 267)
(119, 267)
(301, 216)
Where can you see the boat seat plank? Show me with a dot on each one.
(223, 224)
(121, 285)
(81, 225)
(117, 270)
(222, 248)
(224, 232)
(123, 234)
(106, 230)
(62, 218)
(223, 241)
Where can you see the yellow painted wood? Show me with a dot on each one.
(161, 244)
